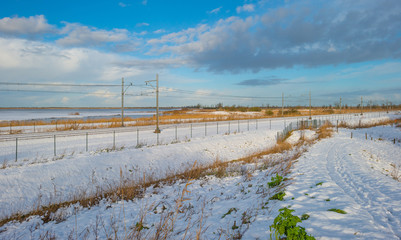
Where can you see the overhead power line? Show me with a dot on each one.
(65, 84)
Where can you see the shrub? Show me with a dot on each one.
(278, 196)
(285, 224)
(337, 210)
(275, 181)
(269, 113)
(255, 109)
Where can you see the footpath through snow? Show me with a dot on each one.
(353, 175)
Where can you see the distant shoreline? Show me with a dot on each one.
(56, 108)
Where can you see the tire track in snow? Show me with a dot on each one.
(356, 180)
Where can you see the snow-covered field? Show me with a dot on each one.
(352, 174)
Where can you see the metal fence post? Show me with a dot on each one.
(137, 137)
(176, 137)
(229, 127)
(217, 127)
(157, 141)
(86, 141)
(238, 125)
(16, 149)
(114, 139)
(270, 124)
(54, 145)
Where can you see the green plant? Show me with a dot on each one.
(275, 181)
(305, 216)
(337, 210)
(319, 184)
(285, 224)
(278, 196)
(229, 212)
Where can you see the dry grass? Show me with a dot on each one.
(325, 131)
(395, 172)
(129, 189)
(395, 122)
(170, 117)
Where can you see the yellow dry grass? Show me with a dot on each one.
(171, 117)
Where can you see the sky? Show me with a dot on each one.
(235, 52)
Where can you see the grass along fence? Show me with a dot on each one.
(47, 146)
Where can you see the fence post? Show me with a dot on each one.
(54, 145)
(191, 130)
(270, 124)
(229, 127)
(238, 126)
(217, 127)
(137, 137)
(176, 133)
(86, 141)
(366, 136)
(351, 134)
(34, 126)
(16, 149)
(205, 130)
(114, 139)
(10, 129)
(157, 141)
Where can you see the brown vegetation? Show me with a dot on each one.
(172, 117)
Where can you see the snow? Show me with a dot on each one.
(351, 181)
(351, 174)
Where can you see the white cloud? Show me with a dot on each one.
(144, 24)
(121, 4)
(78, 35)
(181, 37)
(215, 11)
(47, 62)
(246, 8)
(159, 31)
(21, 25)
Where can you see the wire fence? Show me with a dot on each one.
(37, 146)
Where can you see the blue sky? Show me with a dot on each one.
(239, 52)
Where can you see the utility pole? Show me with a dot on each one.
(157, 130)
(157, 104)
(282, 104)
(340, 105)
(361, 106)
(310, 106)
(122, 100)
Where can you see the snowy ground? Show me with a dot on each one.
(354, 175)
